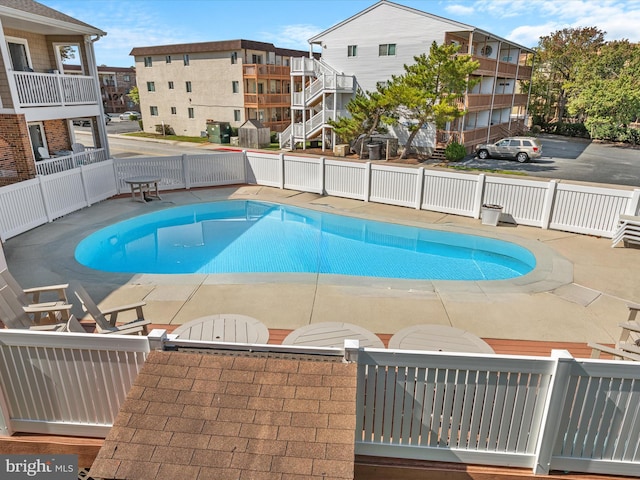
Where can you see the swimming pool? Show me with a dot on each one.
(238, 236)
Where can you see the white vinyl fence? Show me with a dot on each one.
(540, 413)
(546, 204)
(65, 383)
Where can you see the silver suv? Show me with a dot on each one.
(520, 148)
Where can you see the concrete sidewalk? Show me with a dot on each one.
(578, 293)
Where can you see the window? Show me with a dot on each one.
(186, 59)
(173, 110)
(170, 85)
(256, 59)
(352, 51)
(386, 49)
(154, 111)
(191, 113)
(20, 56)
(126, 78)
(168, 58)
(234, 57)
(236, 115)
(188, 85)
(235, 86)
(260, 88)
(151, 86)
(148, 62)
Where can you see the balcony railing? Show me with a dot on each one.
(68, 162)
(260, 70)
(54, 89)
(267, 99)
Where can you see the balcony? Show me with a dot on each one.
(255, 70)
(477, 101)
(267, 100)
(54, 90)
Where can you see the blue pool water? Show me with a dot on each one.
(247, 236)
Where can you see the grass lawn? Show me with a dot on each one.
(178, 138)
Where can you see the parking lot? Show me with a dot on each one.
(566, 158)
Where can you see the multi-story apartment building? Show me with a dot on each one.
(226, 81)
(39, 97)
(115, 84)
(376, 43)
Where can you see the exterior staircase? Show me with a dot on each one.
(323, 98)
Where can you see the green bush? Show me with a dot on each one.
(536, 129)
(454, 152)
(164, 129)
(567, 129)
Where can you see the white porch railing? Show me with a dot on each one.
(54, 89)
(546, 204)
(74, 160)
(540, 413)
(65, 383)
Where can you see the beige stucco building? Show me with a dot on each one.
(232, 81)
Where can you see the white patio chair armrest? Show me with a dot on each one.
(123, 330)
(627, 329)
(51, 327)
(596, 348)
(51, 309)
(112, 313)
(36, 291)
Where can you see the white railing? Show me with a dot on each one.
(546, 204)
(540, 413)
(53, 89)
(74, 160)
(545, 414)
(65, 383)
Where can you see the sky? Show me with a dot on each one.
(290, 23)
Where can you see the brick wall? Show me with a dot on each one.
(15, 148)
(57, 133)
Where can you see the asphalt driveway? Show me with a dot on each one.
(567, 158)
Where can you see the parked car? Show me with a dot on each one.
(85, 122)
(519, 148)
(128, 115)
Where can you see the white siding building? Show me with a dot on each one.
(376, 43)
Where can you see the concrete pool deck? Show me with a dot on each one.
(578, 293)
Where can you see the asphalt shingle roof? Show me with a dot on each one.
(204, 416)
(36, 8)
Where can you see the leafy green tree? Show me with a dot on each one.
(134, 95)
(367, 111)
(608, 86)
(430, 89)
(560, 56)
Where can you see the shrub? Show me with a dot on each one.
(454, 152)
(164, 129)
(536, 129)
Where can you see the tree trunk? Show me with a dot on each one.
(412, 135)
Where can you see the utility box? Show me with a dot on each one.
(252, 134)
(218, 132)
(341, 150)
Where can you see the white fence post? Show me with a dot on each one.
(45, 198)
(281, 158)
(554, 403)
(477, 198)
(547, 207)
(185, 171)
(634, 204)
(322, 175)
(5, 419)
(419, 187)
(85, 189)
(245, 166)
(367, 181)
